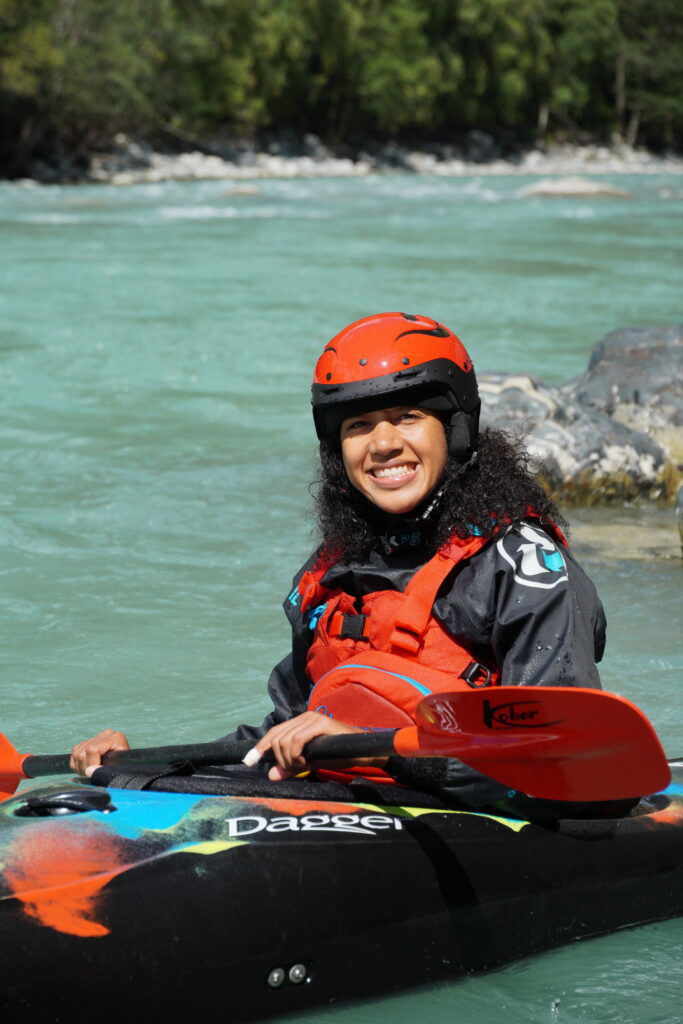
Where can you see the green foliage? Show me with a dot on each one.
(75, 72)
(399, 74)
(649, 42)
(581, 70)
(208, 73)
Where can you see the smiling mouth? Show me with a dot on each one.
(394, 472)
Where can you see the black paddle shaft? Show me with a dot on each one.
(323, 748)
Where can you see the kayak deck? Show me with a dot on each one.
(254, 906)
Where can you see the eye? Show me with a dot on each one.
(350, 426)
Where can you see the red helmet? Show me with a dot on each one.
(393, 358)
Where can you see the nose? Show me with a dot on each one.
(385, 439)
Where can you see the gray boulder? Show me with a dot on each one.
(580, 454)
(635, 376)
(614, 433)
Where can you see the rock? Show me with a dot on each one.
(614, 433)
(393, 156)
(580, 454)
(196, 165)
(581, 188)
(481, 147)
(287, 155)
(240, 190)
(314, 148)
(635, 377)
(635, 366)
(678, 508)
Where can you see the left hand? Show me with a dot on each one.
(288, 740)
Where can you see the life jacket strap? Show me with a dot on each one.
(406, 637)
(311, 590)
(412, 621)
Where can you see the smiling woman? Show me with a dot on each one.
(442, 566)
(395, 457)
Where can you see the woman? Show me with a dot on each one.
(439, 552)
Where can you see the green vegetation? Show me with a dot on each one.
(73, 73)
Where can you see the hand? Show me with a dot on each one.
(288, 740)
(86, 756)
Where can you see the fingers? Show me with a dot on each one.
(278, 774)
(89, 753)
(287, 740)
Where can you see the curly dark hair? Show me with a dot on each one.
(496, 490)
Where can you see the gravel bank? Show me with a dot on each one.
(129, 161)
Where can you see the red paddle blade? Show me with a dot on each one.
(558, 743)
(10, 768)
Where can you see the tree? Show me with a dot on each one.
(73, 71)
(648, 56)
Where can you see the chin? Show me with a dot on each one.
(396, 507)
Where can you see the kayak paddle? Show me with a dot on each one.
(556, 743)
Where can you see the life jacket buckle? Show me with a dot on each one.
(348, 626)
(477, 676)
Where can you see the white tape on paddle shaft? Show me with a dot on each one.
(251, 757)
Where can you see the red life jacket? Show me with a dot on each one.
(371, 669)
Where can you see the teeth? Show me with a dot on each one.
(393, 471)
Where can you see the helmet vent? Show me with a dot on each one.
(435, 332)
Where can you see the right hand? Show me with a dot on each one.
(288, 739)
(87, 756)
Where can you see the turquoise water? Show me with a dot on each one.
(156, 345)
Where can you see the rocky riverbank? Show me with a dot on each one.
(128, 161)
(615, 433)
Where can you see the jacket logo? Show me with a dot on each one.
(518, 714)
(537, 562)
(401, 540)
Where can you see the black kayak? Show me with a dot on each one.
(117, 901)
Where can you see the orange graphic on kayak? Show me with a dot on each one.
(60, 887)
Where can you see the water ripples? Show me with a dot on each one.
(156, 348)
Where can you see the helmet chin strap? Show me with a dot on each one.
(411, 523)
(463, 467)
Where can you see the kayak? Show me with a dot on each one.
(171, 903)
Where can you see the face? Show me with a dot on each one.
(395, 457)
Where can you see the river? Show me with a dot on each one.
(156, 347)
